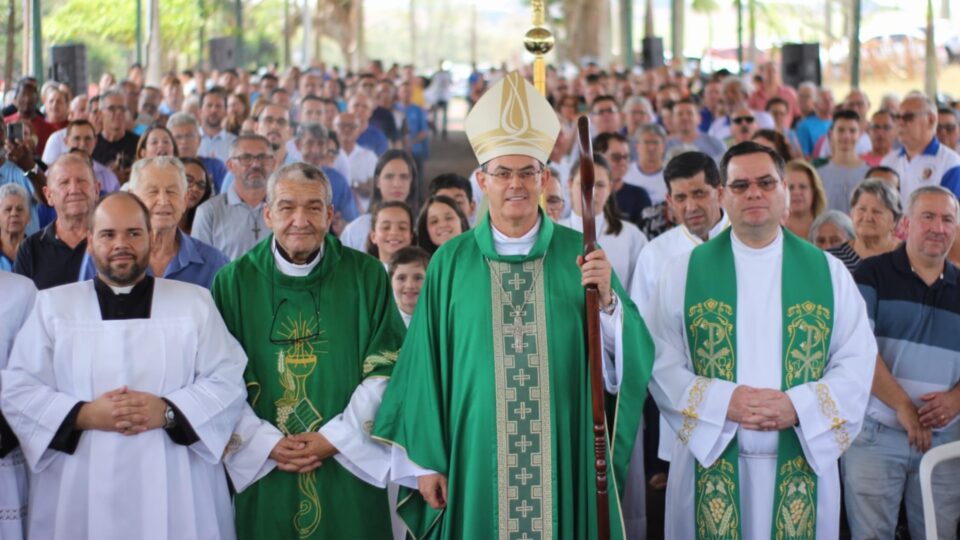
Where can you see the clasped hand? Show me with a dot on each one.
(761, 409)
(302, 453)
(124, 411)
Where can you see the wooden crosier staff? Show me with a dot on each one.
(594, 352)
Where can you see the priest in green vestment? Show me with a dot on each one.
(488, 410)
(321, 331)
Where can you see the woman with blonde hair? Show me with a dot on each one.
(807, 197)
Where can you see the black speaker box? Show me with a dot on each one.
(68, 64)
(223, 53)
(652, 52)
(801, 62)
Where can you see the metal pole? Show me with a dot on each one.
(37, 42)
(930, 75)
(740, 34)
(626, 35)
(539, 41)
(286, 33)
(238, 13)
(200, 37)
(140, 32)
(855, 46)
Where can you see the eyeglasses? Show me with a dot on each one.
(270, 120)
(554, 200)
(906, 117)
(293, 334)
(881, 127)
(617, 156)
(948, 128)
(199, 184)
(247, 159)
(741, 186)
(525, 175)
(743, 120)
(606, 110)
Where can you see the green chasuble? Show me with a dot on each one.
(492, 390)
(310, 341)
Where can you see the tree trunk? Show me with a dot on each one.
(582, 27)
(286, 33)
(945, 9)
(626, 33)
(11, 41)
(25, 39)
(361, 58)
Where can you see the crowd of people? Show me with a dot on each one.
(378, 349)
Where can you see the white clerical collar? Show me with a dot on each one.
(292, 269)
(576, 222)
(505, 245)
(121, 290)
(740, 247)
(406, 318)
(717, 229)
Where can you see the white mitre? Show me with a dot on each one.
(512, 118)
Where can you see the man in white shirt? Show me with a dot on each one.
(922, 161)
(363, 162)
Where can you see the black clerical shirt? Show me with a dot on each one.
(113, 307)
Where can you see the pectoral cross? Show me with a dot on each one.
(256, 230)
(517, 330)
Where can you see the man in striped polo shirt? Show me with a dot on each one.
(913, 300)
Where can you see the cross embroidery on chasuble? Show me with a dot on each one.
(524, 444)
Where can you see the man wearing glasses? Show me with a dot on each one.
(631, 199)
(320, 328)
(273, 124)
(488, 409)
(116, 147)
(233, 221)
(947, 128)
(764, 366)
(923, 160)
(605, 115)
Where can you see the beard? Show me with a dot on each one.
(123, 276)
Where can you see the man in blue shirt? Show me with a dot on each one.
(418, 131)
(811, 128)
(370, 137)
(161, 183)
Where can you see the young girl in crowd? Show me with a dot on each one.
(156, 141)
(440, 220)
(393, 182)
(620, 239)
(392, 230)
(407, 269)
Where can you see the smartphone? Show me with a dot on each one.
(15, 131)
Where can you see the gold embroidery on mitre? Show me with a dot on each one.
(807, 335)
(795, 517)
(523, 122)
(690, 417)
(713, 351)
(718, 517)
(828, 408)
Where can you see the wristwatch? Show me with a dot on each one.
(170, 417)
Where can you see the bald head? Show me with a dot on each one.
(119, 239)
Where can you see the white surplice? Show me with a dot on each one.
(828, 423)
(143, 486)
(19, 294)
(649, 267)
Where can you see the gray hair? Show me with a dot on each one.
(71, 157)
(299, 172)
(113, 93)
(633, 101)
(249, 137)
(655, 129)
(929, 106)
(15, 190)
(729, 81)
(317, 131)
(883, 192)
(810, 84)
(182, 119)
(932, 190)
(136, 173)
(840, 220)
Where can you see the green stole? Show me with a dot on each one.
(710, 315)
